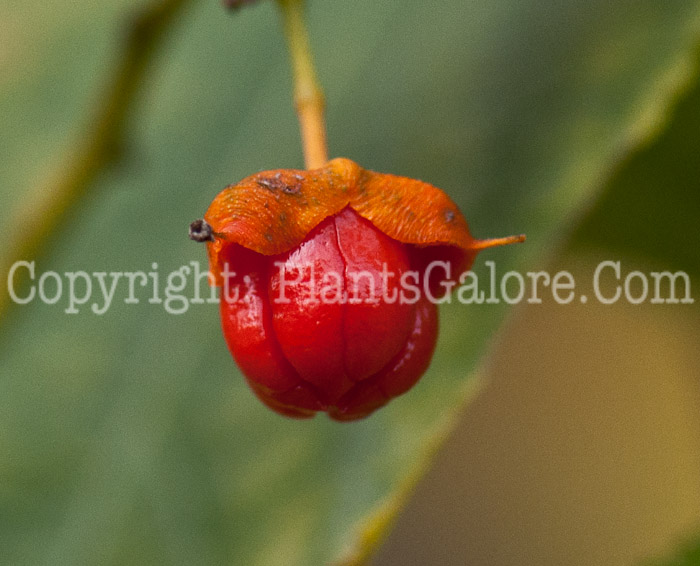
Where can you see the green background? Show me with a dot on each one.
(130, 437)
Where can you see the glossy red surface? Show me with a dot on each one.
(322, 327)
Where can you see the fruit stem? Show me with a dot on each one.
(493, 242)
(308, 96)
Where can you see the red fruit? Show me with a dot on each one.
(323, 273)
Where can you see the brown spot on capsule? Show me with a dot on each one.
(276, 183)
(291, 189)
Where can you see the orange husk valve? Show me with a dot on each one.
(327, 292)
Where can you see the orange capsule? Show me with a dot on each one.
(327, 299)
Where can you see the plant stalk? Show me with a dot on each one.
(308, 96)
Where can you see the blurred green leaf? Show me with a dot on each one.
(650, 207)
(130, 437)
(687, 555)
